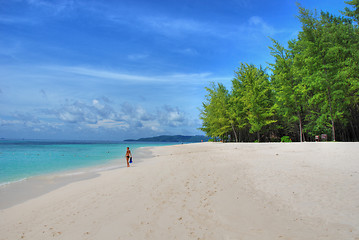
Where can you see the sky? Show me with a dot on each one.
(115, 70)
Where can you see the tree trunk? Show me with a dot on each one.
(333, 130)
(300, 127)
(234, 131)
(331, 116)
(354, 133)
(330, 106)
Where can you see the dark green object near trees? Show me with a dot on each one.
(313, 88)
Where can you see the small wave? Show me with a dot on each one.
(4, 184)
(84, 171)
(105, 168)
(72, 174)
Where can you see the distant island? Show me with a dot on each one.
(168, 138)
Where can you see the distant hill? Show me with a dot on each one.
(168, 138)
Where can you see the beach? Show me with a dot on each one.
(204, 191)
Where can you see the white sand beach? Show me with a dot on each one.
(205, 191)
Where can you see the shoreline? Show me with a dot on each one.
(205, 191)
(19, 191)
(31, 158)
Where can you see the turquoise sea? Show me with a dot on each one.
(22, 159)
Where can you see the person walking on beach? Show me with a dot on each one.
(128, 155)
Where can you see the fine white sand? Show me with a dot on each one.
(205, 191)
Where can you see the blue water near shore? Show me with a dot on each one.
(22, 159)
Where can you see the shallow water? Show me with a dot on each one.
(21, 159)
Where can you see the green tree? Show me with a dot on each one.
(353, 11)
(255, 97)
(214, 112)
(288, 87)
(314, 87)
(236, 109)
(323, 55)
(351, 70)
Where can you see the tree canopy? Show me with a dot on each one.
(312, 88)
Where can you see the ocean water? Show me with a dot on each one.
(22, 159)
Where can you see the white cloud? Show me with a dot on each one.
(80, 112)
(162, 24)
(106, 74)
(16, 20)
(171, 116)
(10, 122)
(187, 51)
(243, 3)
(174, 27)
(103, 73)
(97, 117)
(21, 121)
(261, 25)
(101, 115)
(97, 104)
(56, 7)
(109, 124)
(136, 57)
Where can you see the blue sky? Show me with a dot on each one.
(113, 70)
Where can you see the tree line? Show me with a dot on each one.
(313, 87)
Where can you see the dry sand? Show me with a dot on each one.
(205, 191)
